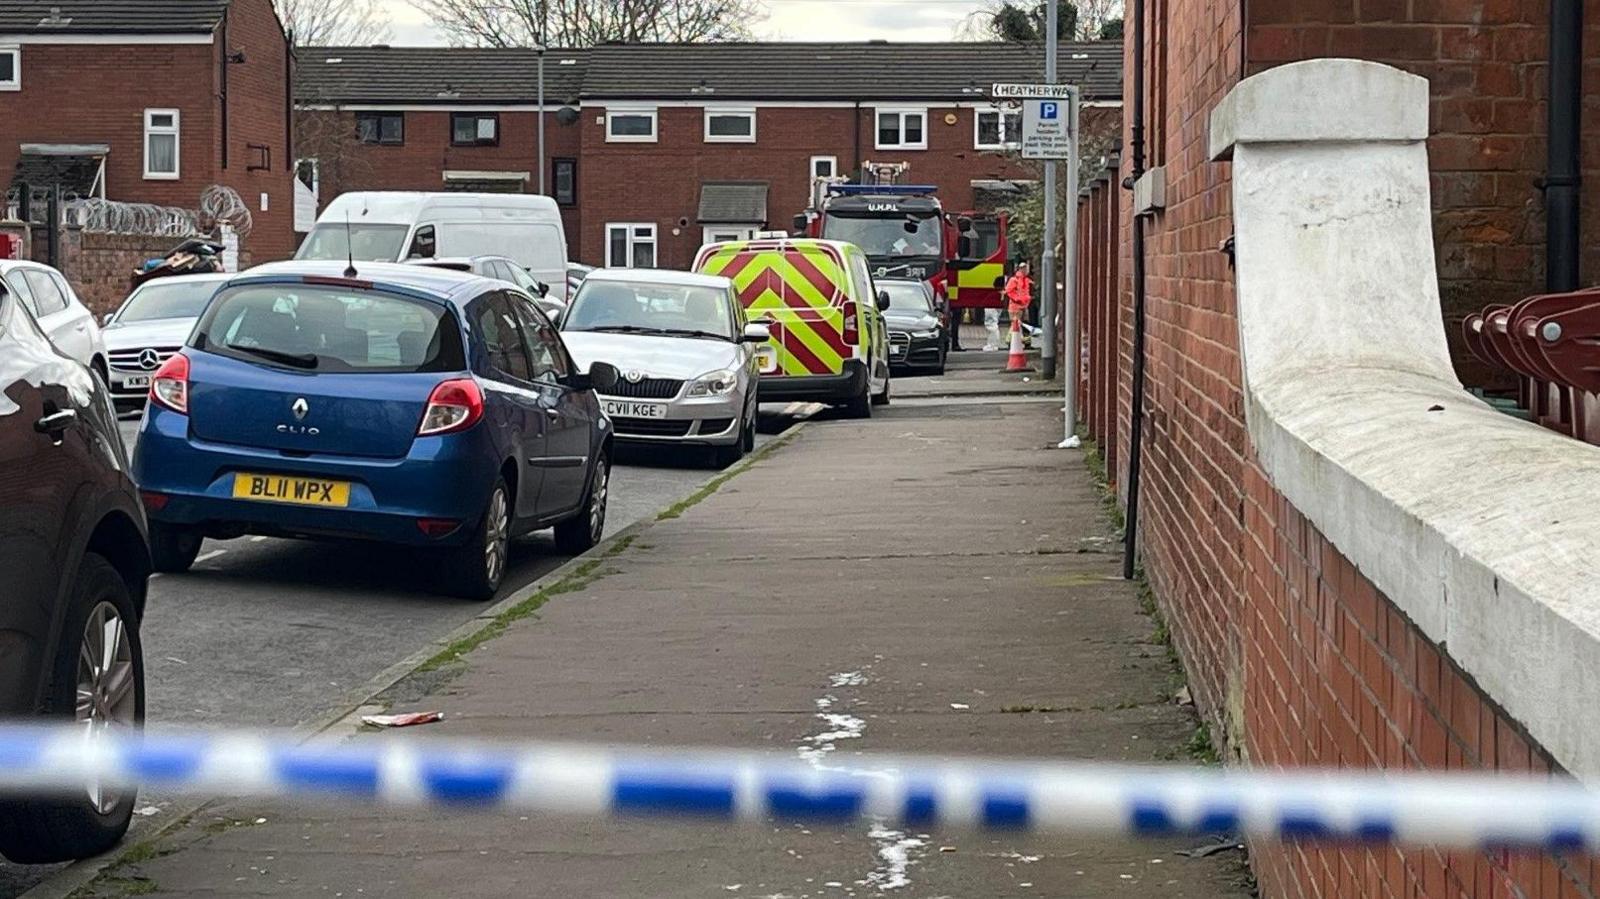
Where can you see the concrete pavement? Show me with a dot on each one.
(934, 580)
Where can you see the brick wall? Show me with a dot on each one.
(1293, 657)
(660, 182)
(1097, 301)
(97, 93)
(258, 117)
(100, 266)
(1336, 676)
(420, 162)
(1485, 61)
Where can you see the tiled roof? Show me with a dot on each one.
(734, 71)
(444, 75)
(813, 71)
(110, 16)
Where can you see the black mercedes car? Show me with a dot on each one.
(73, 565)
(916, 325)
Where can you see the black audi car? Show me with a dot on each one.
(73, 565)
(916, 326)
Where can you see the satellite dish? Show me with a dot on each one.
(566, 115)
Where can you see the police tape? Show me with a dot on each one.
(1453, 810)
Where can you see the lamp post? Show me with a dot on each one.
(542, 190)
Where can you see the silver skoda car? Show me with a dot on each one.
(685, 351)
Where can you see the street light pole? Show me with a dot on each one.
(1047, 265)
(542, 190)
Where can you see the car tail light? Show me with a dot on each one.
(437, 527)
(155, 502)
(852, 328)
(170, 385)
(454, 405)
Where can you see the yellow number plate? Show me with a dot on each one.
(274, 488)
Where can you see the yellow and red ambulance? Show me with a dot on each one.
(828, 341)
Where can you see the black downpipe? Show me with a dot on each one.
(52, 240)
(857, 150)
(222, 63)
(1136, 412)
(1561, 182)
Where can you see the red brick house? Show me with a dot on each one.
(655, 148)
(1275, 626)
(152, 101)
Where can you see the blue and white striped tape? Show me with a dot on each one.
(1450, 810)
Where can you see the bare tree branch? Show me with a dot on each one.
(321, 23)
(583, 23)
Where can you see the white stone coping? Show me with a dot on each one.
(1483, 529)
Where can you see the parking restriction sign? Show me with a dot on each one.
(1046, 129)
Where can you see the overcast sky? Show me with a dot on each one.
(787, 20)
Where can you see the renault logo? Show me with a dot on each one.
(300, 407)
(634, 376)
(149, 360)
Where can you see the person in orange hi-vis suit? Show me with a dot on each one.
(1019, 294)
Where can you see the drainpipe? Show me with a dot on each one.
(1561, 182)
(222, 61)
(856, 160)
(1136, 410)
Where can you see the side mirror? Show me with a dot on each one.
(544, 289)
(883, 299)
(964, 247)
(603, 376)
(106, 319)
(800, 222)
(756, 332)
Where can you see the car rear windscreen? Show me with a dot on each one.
(327, 328)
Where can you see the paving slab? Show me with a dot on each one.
(936, 578)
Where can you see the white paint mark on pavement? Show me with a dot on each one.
(894, 851)
(203, 557)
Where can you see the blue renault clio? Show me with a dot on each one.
(408, 405)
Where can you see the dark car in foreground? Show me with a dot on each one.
(73, 566)
(917, 340)
(410, 405)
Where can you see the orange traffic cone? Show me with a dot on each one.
(1019, 358)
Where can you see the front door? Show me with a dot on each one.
(513, 405)
(569, 421)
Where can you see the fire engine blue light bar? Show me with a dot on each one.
(1456, 810)
(851, 190)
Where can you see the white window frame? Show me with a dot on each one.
(833, 166)
(633, 238)
(15, 52)
(176, 130)
(655, 125)
(1007, 141)
(720, 233)
(902, 111)
(747, 112)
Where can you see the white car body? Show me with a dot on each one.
(651, 402)
(136, 349)
(526, 228)
(55, 306)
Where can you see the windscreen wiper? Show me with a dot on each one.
(298, 360)
(691, 332)
(626, 329)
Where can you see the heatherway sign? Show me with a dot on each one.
(1049, 117)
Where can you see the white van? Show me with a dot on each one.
(394, 226)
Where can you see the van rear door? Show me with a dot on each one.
(802, 293)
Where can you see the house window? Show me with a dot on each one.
(565, 177)
(381, 127)
(730, 126)
(161, 144)
(636, 125)
(996, 128)
(10, 68)
(630, 245)
(475, 129)
(902, 129)
(824, 167)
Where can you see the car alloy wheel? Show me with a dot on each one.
(597, 502)
(107, 686)
(496, 530)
